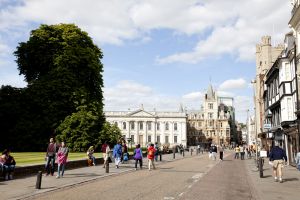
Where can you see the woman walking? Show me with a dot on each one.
(151, 153)
(117, 153)
(62, 156)
(138, 156)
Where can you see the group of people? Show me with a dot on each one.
(7, 165)
(213, 150)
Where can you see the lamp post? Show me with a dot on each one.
(255, 120)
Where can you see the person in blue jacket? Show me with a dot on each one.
(279, 158)
(117, 153)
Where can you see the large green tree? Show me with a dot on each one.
(62, 66)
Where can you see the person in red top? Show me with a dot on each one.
(151, 155)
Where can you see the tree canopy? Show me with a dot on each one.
(63, 69)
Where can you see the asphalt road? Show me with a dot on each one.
(189, 178)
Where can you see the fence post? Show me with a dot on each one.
(160, 156)
(261, 173)
(173, 152)
(107, 166)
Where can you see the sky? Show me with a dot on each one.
(159, 53)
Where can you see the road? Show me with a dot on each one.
(189, 178)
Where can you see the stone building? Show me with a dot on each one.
(214, 122)
(143, 127)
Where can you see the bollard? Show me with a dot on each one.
(183, 153)
(261, 173)
(38, 180)
(160, 157)
(173, 153)
(107, 166)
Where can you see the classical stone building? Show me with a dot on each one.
(214, 122)
(143, 127)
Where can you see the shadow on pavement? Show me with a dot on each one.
(291, 179)
(80, 175)
(267, 176)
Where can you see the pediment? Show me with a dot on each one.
(141, 113)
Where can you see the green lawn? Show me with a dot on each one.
(29, 158)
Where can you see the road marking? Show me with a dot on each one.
(169, 198)
(181, 194)
(197, 176)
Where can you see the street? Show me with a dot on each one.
(190, 178)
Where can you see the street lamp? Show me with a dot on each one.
(255, 120)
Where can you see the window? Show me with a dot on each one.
(175, 139)
(175, 127)
(166, 139)
(149, 126)
(157, 126)
(167, 126)
(210, 115)
(132, 125)
(221, 124)
(287, 72)
(211, 123)
(199, 124)
(158, 138)
(141, 126)
(124, 125)
(149, 138)
(289, 108)
(132, 138)
(211, 106)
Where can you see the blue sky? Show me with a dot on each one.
(158, 53)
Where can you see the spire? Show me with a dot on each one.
(142, 107)
(210, 92)
(181, 108)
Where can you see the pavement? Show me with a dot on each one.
(195, 177)
(24, 188)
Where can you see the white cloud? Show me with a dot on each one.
(242, 104)
(233, 84)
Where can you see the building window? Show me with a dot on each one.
(132, 125)
(175, 139)
(211, 123)
(157, 126)
(289, 109)
(175, 127)
(166, 139)
(167, 126)
(199, 124)
(124, 125)
(149, 138)
(158, 138)
(211, 106)
(149, 126)
(210, 115)
(141, 126)
(132, 138)
(221, 124)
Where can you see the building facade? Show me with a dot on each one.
(214, 122)
(144, 127)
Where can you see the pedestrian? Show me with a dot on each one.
(279, 158)
(156, 151)
(242, 152)
(213, 152)
(90, 153)
(138, 156)
(237, 152)
(50, 157)
(9, 164)
(298, 160)
(105, 152)
(117, 153)
(151, 153)
(124, 156)
(62, 155)
(221, 150)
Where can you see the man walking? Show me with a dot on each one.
(278, 157)
(50, 157)
(221, 150)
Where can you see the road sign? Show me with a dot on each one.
(267, 126)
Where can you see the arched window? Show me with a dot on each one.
(167, 126)
(175, 127)
(124, 125)
(132, 126)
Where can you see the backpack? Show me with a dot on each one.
(125, 157)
